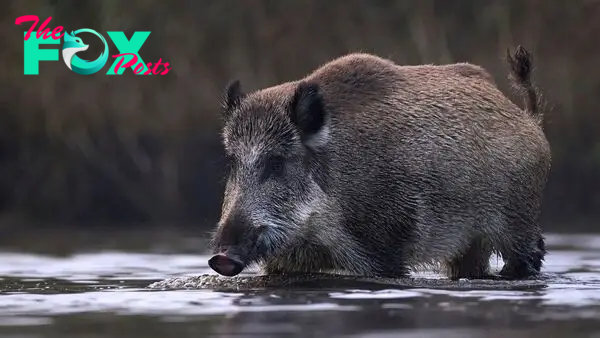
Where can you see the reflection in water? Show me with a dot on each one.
(105, 295)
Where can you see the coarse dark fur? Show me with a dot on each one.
(370, 168)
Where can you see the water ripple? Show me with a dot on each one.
(45, 291)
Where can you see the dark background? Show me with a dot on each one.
(130, 151)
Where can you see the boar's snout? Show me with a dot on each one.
(226, 265)
(234, 245)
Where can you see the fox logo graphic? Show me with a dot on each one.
(74, 44)
(128, 56)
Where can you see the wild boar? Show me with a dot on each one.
(370, 168)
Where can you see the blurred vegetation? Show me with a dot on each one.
(101, 149)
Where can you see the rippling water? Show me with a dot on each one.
(105, 294)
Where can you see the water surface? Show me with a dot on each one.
(104, 294)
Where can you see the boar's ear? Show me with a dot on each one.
(307, 110)
(233, 96)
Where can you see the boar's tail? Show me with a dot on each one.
(521, 66)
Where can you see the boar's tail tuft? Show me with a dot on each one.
(521, 66)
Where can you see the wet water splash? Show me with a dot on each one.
(106, 294)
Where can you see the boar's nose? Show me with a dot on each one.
(226, 265)
(233, 230)
(234, 242)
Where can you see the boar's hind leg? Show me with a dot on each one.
(523, 250)
(524, 257)
(472, 263)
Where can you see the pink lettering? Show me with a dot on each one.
(155, 70)
(138, 68)
(57, 30)
(148, 71)
(156, 65)
(132, 62)
(167, 69)
(26, 18)
(43, 32)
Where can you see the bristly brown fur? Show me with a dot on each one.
(372, 168)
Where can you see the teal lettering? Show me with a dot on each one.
(33, 54)
(128, 46)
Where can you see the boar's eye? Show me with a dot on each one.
(274, 166)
